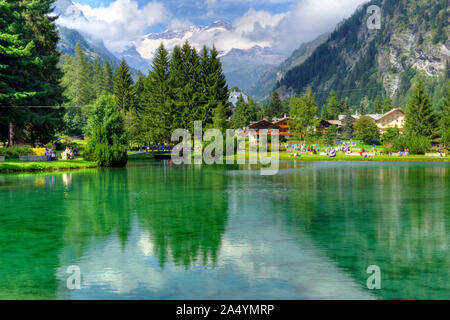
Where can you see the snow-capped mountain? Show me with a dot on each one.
(198, 36)
(251, 58)
(244, 60)
(65, 9)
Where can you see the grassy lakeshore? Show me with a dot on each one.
(18, 166)
(142, 156)
(287, 155)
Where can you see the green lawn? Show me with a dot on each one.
(343, 157)
(18, 166)
(287, 155)
(142, 156)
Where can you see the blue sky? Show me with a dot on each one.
(204, 12)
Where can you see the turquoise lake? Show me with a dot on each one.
(159, 231)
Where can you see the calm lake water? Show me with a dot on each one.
(158, 231)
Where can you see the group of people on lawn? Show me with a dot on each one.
(346, 148)
(51, 154)
(304, 148)
(69, 154)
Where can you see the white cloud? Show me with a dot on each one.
(119, 22)
(224, 40)
(123, 22)
(309, 19)
(304, 22)
(283, 32)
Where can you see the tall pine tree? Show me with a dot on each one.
(377, 105)
(16, 57)
(331, 110)
(387, 105)
(157, 113)
(220, 118)
(445, 118)
(274, 108)
(29, 75)
(420, 119)
(242, 114)
(214, 89)
(304, 111)
(45, 75)
(97, 78)
(77, 79)
(107, 80)
(192, 91)
(177, 81)
(347, 124)
(123, 89)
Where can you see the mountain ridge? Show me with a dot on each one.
(413, 40)
(263, 88)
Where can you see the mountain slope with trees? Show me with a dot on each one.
(262, 89)
(359, 62)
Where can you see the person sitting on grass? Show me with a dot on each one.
(66, 154)
(76, 152)
(53, 156)
(332, 153)
(48, 155)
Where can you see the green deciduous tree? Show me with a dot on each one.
(414, 144)
(366, 129)
(330, 134)
(304, 111)
(108, 143)
(331, 110)
(390, 135)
